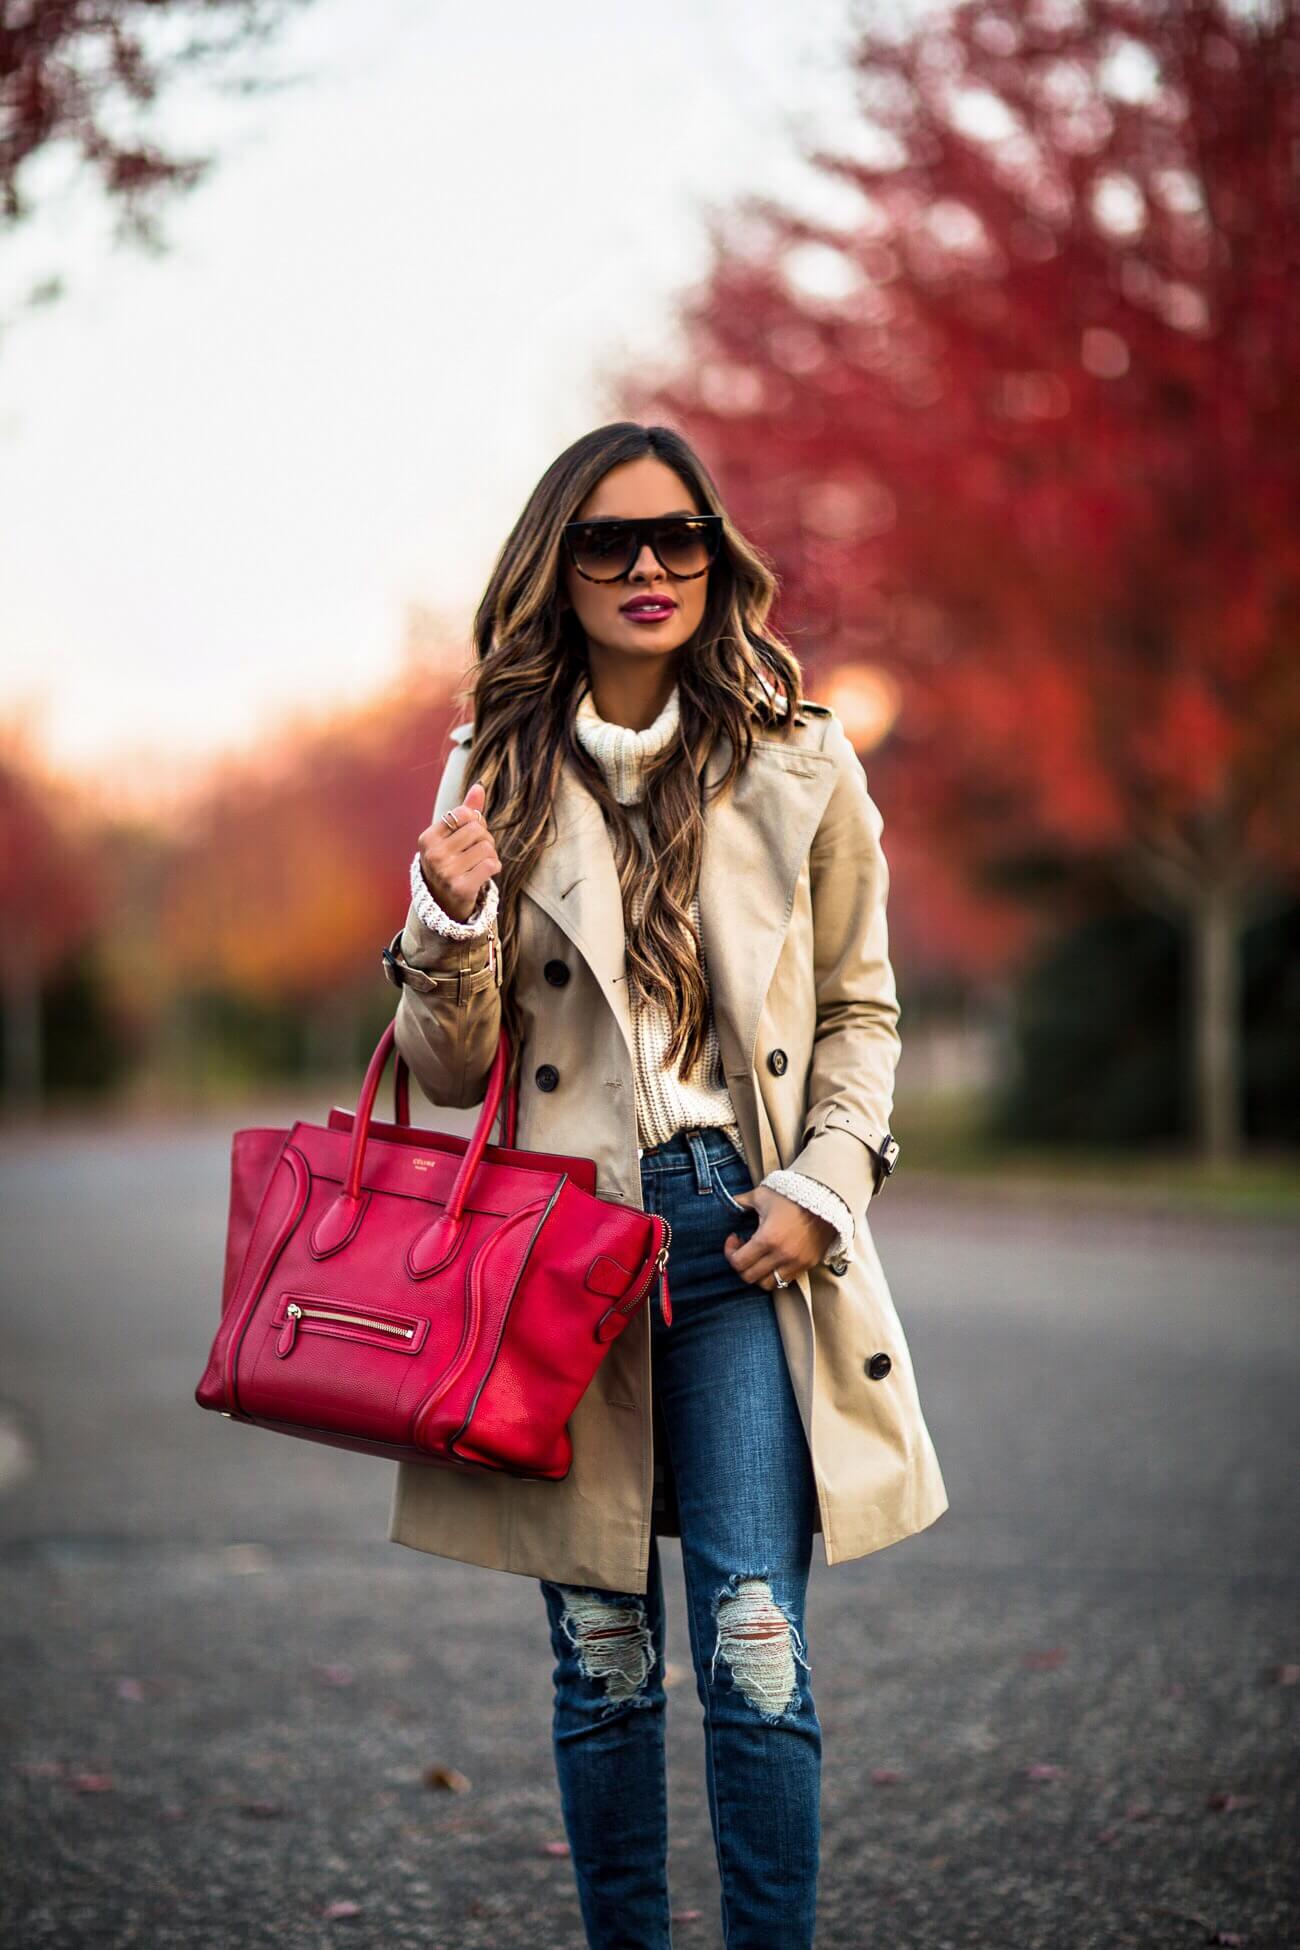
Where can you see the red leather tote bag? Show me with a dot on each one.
(418, 1295)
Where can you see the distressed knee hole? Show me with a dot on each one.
(613, 1642)
(760, 1644)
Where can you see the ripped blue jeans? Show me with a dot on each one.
(726, 1410)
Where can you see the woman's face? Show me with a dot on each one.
(644, 487)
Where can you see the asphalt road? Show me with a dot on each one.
(1064, 1715)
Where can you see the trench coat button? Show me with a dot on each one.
(556, 973)
(778, 1062)
(878, 1366)
(547, 1076)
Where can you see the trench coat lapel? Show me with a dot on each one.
(755, 841)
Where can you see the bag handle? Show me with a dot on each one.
(402, 1101)
(340, 1218)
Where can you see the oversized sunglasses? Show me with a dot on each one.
(605, 550)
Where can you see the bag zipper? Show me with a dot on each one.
(665, 1303)
(294, 1312)
(633, 1301)
(659, 1267)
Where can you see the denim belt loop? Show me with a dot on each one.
(700, 1159)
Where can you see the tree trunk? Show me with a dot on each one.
(1216, 1022)
(21, 1055)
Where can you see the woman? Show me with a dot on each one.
(662, 865)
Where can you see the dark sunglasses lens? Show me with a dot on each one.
(684, 547)
(603, 552)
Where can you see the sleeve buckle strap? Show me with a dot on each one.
(467, 980)
(393, 963)
(887, 1157)
(883, 1146)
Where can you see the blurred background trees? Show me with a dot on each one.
(1024, 431)
(1021, 430)
(85, 74)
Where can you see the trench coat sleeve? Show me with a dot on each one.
(856, 1044)
(448, 1020)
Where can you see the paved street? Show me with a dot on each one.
(223, 1687)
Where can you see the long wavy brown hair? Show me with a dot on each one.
(530, 671)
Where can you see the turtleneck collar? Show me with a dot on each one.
(620, 751)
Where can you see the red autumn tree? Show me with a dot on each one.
(290, 873)
(88, 73)
(1026, 428)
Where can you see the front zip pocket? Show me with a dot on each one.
(405, 1332)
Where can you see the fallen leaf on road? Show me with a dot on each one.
(1044, 1770)
(91, 1783)
(555, 1848)
(1055, 1655)
(343, 1907)
(1213, 1934)
(447, 1777)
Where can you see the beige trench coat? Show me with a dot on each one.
(792, 896)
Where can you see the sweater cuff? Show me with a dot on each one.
(818, 1198)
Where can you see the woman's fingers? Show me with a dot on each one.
(756, 1262)
(471, 830)
(788, 1240)
(458, 863)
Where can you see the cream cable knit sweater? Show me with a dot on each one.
(666, 1101)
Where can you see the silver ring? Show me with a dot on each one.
(777, 1277)
(450, 821)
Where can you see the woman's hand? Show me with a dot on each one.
(789, 1239)
(457, 866)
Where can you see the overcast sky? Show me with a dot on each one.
(226, 473)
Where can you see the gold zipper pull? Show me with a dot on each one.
(288, 1333)
(661, 1262)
